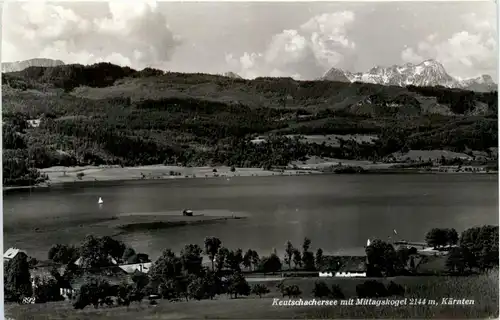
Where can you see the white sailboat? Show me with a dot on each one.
(368, 243)
(100, 201)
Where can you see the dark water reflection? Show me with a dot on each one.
(338, 212)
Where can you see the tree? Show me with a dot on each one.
(140, 279)
(271, 264)
(437, 237)
(306, 245)
(319, 259)
(94, 291)
(260, 289)
(452, 237)
(238, 285)
(63, 254)
(138, 258)
(412, 263)
(167, 266)
(482, 244)
(382, 257)
(112, 247)
(220, 258)
(251, 258)
(234, 259)
(247, 259)
(403, 255)
(197, 288)
(173, 289)
(321, 290)
(297, 258)
(93, 254)
(212, 246)
(47, 290)
(124, 293)
(191, 259)
(17, 277)
(456, 260)
(308, 261)
(127, 254)
(289, 249)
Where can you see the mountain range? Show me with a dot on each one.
(21, 65)
(427, 73)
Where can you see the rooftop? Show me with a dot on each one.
(344, 263)
(11, 253)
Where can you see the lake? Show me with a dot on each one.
(337, 212)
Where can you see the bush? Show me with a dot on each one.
(321, 289)
(94, 291)
(394, 289)
(291, 291)
(238, 285)
(371, 289)
(260, 290)
(336, 292)
(47, 290)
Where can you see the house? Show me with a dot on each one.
(78, 261)
(131, 268)
(34, 123)
(353, 266)
(43, 271)
(11, 253)
(188, 213)
(325, 274)
(343, 266)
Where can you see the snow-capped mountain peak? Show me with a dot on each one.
(427, 73)
(231, 74)
(335, 74)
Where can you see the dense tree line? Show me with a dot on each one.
(460, 101)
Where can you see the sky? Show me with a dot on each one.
(296, 39)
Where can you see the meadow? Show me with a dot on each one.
(483, 289)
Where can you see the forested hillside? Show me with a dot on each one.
(106, 114)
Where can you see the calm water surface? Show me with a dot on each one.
(337, 212)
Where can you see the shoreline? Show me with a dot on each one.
(159, 224)
(63, 177)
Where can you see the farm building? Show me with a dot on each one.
(78, 262)
(354, 266)
(131, 268)
(11, 253)
(34, 123)
(343, 266)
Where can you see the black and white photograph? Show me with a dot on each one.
(250, 160)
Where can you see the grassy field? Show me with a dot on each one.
(482, 289)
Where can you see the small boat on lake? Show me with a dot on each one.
(100, 201)
(187, 213)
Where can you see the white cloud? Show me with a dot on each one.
(127, 33)
(305, 53)
(464, 54)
